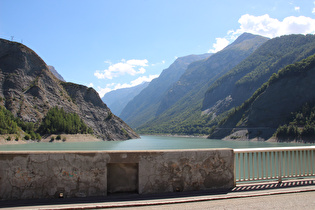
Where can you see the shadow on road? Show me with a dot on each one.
(136, 197)
(272, 185)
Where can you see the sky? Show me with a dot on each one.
(112, 44)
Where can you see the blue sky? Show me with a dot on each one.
(110, 44)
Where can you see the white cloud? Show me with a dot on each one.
(115, 86)
(103, 91)
(262, 25)
(135, 62)
(160, 63)
(142, 79)
(219, 45)
(131, 67)
(90, 85)
(141, 70)
(297, 9)
(108, 62)
(313, 11)
(266, 26)
(297, 25)
(271, 27)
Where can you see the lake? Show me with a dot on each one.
(145, 143)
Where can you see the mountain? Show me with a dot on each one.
(286, 92)
(241, 82)
(116, 100)
(198, 112)
(200, 74)
(180, 106)
(145, 105)
(54, 71)
(29, 90)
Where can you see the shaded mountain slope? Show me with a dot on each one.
(181, 105)
(28, 90)
(200, 74)
(145, 105)
(272, 104)
(242, 81)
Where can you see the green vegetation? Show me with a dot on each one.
(183, 115)
(293, 48)
(268, 59)
(27, 137)
(8, 123)
(301, 127)
(109, 116)
(12, 125)
(186, 123)
(58, 121)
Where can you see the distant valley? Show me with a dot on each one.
(201, 98)
(117, 100)
(254, 89)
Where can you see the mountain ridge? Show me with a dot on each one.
(286, 92)
(117, 100)
(56, 73)
(28, 90)
(182, 103)
(240, 84)
(199, 74)
(144, 106)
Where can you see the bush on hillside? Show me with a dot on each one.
(58, 121)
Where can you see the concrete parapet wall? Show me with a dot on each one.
(27, 175)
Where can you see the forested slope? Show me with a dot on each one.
(180, 109)
(286, 101)
(144, 106)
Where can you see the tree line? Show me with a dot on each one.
(56, 121)
(301, 128)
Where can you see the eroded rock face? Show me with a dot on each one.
(28, 89)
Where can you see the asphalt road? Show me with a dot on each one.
(305, 201)
(289, 195)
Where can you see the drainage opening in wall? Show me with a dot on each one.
(122, 178)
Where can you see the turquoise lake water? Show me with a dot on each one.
(145, 143)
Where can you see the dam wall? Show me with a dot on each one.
(48, 174)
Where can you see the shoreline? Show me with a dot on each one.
(272, 139)
(64, 138)
(175, 135)
(92, 138)
(228, 138)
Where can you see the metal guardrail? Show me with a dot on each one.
(273, 163)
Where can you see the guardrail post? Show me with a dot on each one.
(280, 166)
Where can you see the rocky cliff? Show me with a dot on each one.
(55, 72)
(28, 89)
